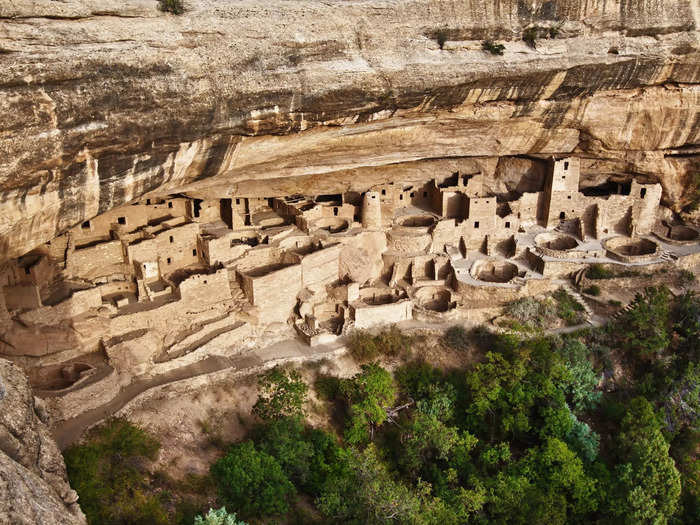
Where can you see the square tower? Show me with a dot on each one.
(561, 191)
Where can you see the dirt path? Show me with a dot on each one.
(69, 431)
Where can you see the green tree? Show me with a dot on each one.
(282, 393)
(218, 517)
(643, 329)
(109, 474)
(648, 483)
(367, 493)
(580, 385)
(369, 393)
(252, 481)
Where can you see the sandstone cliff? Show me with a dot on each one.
(33, 483)
(102, 102)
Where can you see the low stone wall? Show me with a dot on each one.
(206, 288)
(75, 305)
(366, 316)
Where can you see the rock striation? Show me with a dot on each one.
(102, 103)
(33, 482)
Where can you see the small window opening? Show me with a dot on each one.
(383, 192)
(144, 265)
(401, 197)
(238, 201)
(172, 239)
(507, 224)
(413, 194)
(563, 177)
(566, 166)
(643, 192)
(85, 225)
(194, 252)
(170, 205)
(374, 196)
(562, 215)
(425, 194)
(335, 211)
(121, 220)
(168, 260)
(148, 201)
(476, 224)
(197, 207)
(27, 270)
(568, 197)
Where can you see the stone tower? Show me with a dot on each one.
(371, 211)
(561, 191)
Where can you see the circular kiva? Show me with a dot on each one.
(492, 271)
(435, 298)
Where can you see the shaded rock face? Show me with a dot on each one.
(102, 103)
(33, 482)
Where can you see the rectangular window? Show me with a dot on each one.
(170, 205)
(566, 166)
(85, 225)
(194, 252)
(507, 224)
(168, 260)
(643, 193)
(172, 239)
(568, 197)
(383, 192)
(121, 220)
(476, 224)
(148, 201)
(238, 201)
(401, 197)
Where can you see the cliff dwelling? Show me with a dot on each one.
(167, 281)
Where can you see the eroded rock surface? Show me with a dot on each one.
(33, 482)
(101, 103)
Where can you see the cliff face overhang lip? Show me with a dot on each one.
(97, 109)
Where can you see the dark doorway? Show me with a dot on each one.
(226, 212)
(196, 207)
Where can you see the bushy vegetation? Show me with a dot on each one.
(532, 313)
(281, 393)
(175, 7)
(218, 517)
(597, 271)
(526, 435)
(109, 473)
(568, 308)
(365, 346)
(457, 337)
(492, 47)
(593, 290)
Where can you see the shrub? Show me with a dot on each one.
(568, 308)
(457, 337)
(593, 290)
(366, 347)
(252, 481)
(531, 312)
(686, 278)
(175, 7)
(109, 475)
(493, 48)
(218, 517)
(530, 35)
(283, 393)
(596, 271)
(615, 303)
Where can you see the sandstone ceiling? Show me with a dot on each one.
(102, 102)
